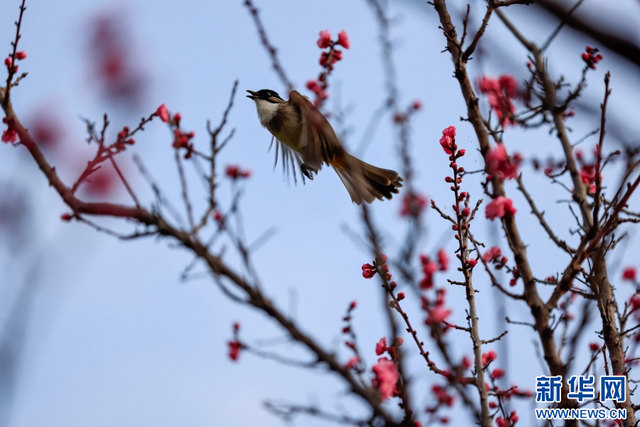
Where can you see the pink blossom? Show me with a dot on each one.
(441, 394)
(386, 378)
(9, 135)
(325, 39)
(499, 207)
(21, 54)
(343, 39)
(488, 85)
(492, 254)
(499, 94)
(163, 113)
(352, 363)
(413, 204)
(381, 346)
(501, 422)
(437, 315)
(446, 143)
(443, 260)
(450, 132)
(498, 160)
(509, 85)
(514, 417)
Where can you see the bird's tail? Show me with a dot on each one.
(366, 182)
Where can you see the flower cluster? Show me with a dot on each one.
(386, 378)
(8, 61)
(370, 270)
(499, 162)
(494, 255)
(436, 311)
(429, 267)
(180, 139)
(591, 57)
(588, 170)
(123, 138)
(327, 60)
(500, 94)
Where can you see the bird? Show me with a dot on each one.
(306, 138)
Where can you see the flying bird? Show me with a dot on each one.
(306, 138)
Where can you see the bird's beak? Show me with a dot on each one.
(252, 95)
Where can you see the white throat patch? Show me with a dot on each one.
(266, 110)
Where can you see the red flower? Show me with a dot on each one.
(497, 373)
(343, 39)
(499, 207)
(629, 274)
(325, 39)
(386, 378)
(234, 350)
(489, 356)
(514, 417)
(9, 135)
(367, 271)
(501, 422)
(163, 113)
(381, 346)
(417, 105)
(443, 260)
(21, 54)
(594, 346)
(446, 143)
(234, 172)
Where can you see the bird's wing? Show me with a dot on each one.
(290, 160)
(318, 141)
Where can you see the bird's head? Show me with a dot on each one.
(267, 103)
